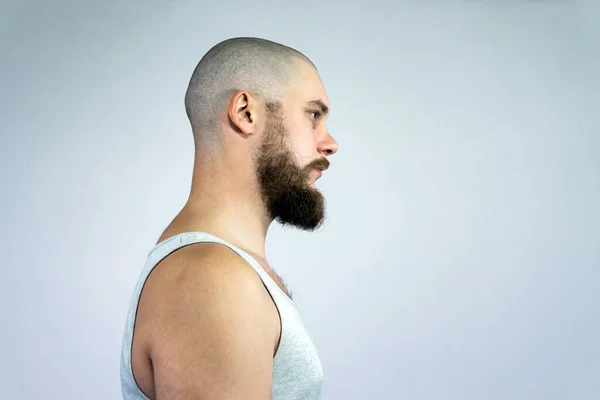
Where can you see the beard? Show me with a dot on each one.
(283, 183)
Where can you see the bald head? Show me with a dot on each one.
(262, 67)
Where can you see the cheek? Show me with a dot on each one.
(302, 137)
(303, 145)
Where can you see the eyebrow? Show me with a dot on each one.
(322, 106)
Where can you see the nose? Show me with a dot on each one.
(328, 145)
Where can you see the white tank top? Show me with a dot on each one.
(297, 369)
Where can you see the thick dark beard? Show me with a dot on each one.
(283, 184)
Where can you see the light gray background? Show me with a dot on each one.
(461, 257)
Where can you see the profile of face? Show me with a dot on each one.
(292, 153)
(284, 184)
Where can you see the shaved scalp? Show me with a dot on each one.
(262, 67)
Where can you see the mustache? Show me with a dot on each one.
(319, 163)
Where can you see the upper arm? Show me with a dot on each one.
(213, 331)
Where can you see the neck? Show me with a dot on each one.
(224, 202)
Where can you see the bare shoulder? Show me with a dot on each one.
(207, 325)
(203, 278)
(203, 266)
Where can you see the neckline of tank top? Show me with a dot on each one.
(219, 240)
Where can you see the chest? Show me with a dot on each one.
(276, 278)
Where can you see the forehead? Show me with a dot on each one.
(308, 86)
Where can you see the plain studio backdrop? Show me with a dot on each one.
(460, 259)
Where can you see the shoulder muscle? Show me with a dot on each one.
(213, 327)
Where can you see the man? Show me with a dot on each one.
(209, 319)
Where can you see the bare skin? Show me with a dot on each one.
(206, 327)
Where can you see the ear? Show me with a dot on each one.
(243, 112)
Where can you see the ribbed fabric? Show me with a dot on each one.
(297, 369)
